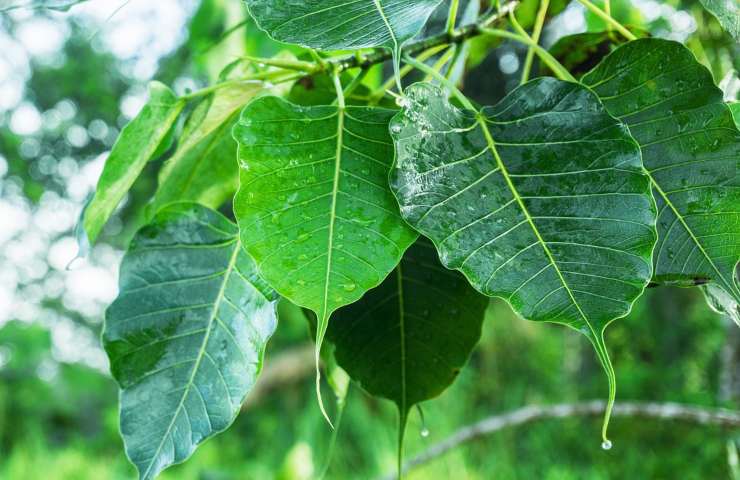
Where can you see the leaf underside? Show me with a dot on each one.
(690, 148)
(203, 169)
(138, 142)
(186, 335)
(420, 325)
(342, 24)
(314, 207)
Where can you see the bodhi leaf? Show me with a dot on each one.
(690, 149)
(420, 324)
(203, 169)
(343, 24)
(186, 335)
(314, 207)
(727, 12)
(540, 200)
(138, 143)
(721, 302)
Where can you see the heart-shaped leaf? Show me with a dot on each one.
(186, 335)
(314, 207)
(138, 142)
(540, 200)
(420, 324)
(342, 24)
(690, 149)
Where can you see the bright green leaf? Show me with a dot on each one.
(420, 324)
(735, 109)
(727, 12)
(690, 148)
(186, 335)
(540, 200)
(314, 207)
(137, 144)
(204, 169)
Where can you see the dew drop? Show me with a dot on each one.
(606, 445)
(349, 287)
(396, 128)
(424, 432)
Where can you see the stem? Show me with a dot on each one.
(544, 55)
(443, 80)
(539, 22)
(452, 16)
(283, 63)
(608, 19)
(441, 62)
(388, 84)
(271, 77)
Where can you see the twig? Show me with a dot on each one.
(664, 411)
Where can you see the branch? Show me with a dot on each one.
(664, 411)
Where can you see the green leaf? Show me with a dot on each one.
(342, 24)
(727, 12)
(314, 207)
(735, 109)
(137, 144)
(58, 5)
(186, 335)
(204, 169)
(540, 200)
(721, 302)
(690, 148)
(580, 52)
(420, 324)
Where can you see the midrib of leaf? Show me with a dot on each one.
(201, 353)
(597, 339)
(383, 16)
(729, 284)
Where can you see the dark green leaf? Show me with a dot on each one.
(540, 200)
(342, 24)
(186, 335)
(690, 148)
(420, 324)
(137, 144)
(727, 13)
(735, 109)
(204, 167)
(580, 52)
(314, 207)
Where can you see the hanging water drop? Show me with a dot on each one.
(606, 445)
(424, 432)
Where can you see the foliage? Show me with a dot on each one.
(566, 199)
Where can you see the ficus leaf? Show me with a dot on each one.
(420, 325)
(727, 12)
(136, 145)
(314, 207)
(343, 24)
(690, 148)
(204, 169)
(186, 335)
(540, 200)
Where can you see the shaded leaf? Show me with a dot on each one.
(581, 52)
(727, 12)
(314, 207)
(420, 324)
(186, 335)
(204, 169)
(690, 148)
(137, 144)
(540, 200)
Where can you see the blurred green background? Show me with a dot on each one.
(70, 80)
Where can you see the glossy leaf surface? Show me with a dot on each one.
(727, 13)
(690, 148)
(204, 169)
(540, 200)
(407, 339)
(314, 207)
(186, 335)
(138, 143)
(342, 24)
